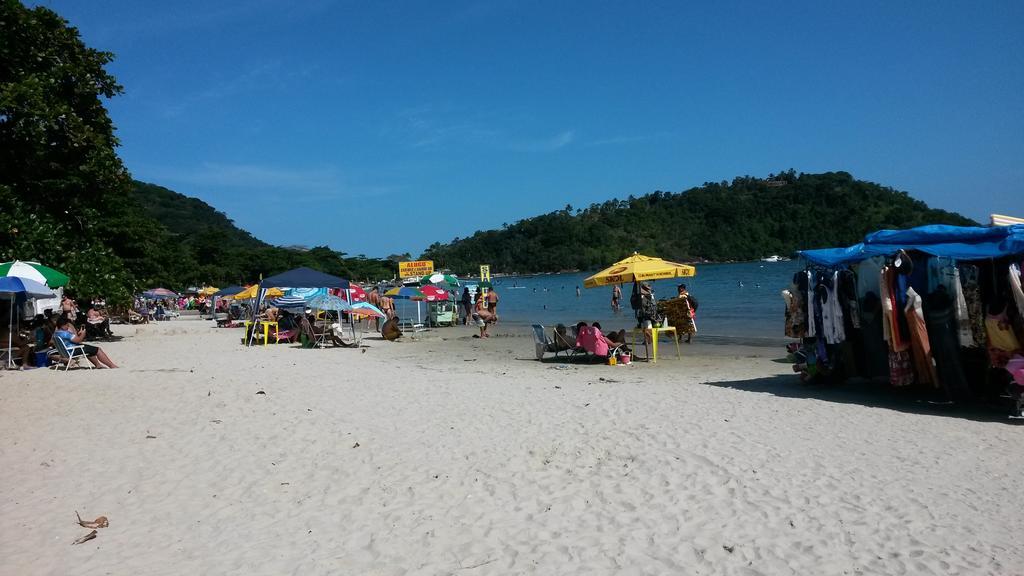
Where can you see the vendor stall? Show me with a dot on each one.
(936, 307)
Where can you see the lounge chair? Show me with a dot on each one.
(565, 341)
(542, 343)
(68, 354)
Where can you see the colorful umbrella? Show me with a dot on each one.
(11, 287)
(159, 293)
(209, 291)
(638, 268)
(356, 293)
(307, 293)
(329, 302)
(439, 278)
(432, 294)
(250, 293)
(289, 303)
(405, 293)
(34, 271)
(367, 309)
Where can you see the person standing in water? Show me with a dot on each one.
(492, 302)
(577, 291)
(616, 297)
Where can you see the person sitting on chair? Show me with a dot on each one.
(613, 339)
(389, 330)
(97, 325)
(67, 334)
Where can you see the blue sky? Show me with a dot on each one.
(431, 120)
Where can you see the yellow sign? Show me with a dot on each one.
(415, 268)
(485, 273)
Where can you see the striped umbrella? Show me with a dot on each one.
(289, 303)
(367, 309)
(34, 271)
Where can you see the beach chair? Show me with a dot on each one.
(566, 343)
(69, 354)
(542, 344)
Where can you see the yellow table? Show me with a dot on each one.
(652, 350)
(266, 329)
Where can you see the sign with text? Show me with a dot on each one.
(485, 273)
(415, 268)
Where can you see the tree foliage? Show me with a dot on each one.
(744, 220)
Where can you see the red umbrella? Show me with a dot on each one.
(355, 293)
(433, 293)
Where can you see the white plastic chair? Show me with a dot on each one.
(74, 353)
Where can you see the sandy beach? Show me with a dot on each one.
(454, 455)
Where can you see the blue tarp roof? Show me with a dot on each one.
(229, 291)
(958, 242)
(304, 278)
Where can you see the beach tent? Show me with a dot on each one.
(639, 268)
(957, 242)
(304, 278)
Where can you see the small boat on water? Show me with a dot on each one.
(775, 258)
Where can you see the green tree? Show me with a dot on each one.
(63, 190)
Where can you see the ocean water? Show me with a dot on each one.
(737, 302)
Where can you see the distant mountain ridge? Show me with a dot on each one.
(746, 219)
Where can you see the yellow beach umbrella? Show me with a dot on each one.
(209, 290)
(639, 268)
(250, 293)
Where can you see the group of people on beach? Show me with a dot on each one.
(73, 329)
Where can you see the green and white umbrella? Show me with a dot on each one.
(439, 278)
(34, 271)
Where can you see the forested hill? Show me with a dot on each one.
(190, 218)
(211, 249)
(745, 220)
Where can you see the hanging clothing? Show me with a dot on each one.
(920, 348)
(1002, 342)
(831, 311)
(901, 371)
(1015, 287)
(869, 276)
(945, 347)
(812, 329)
(876, 350)
(896, 325)
(975, 310)
(846, 290)
(796, 313)
(944, 274)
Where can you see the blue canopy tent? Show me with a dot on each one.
(958, 242)
(303, 277)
